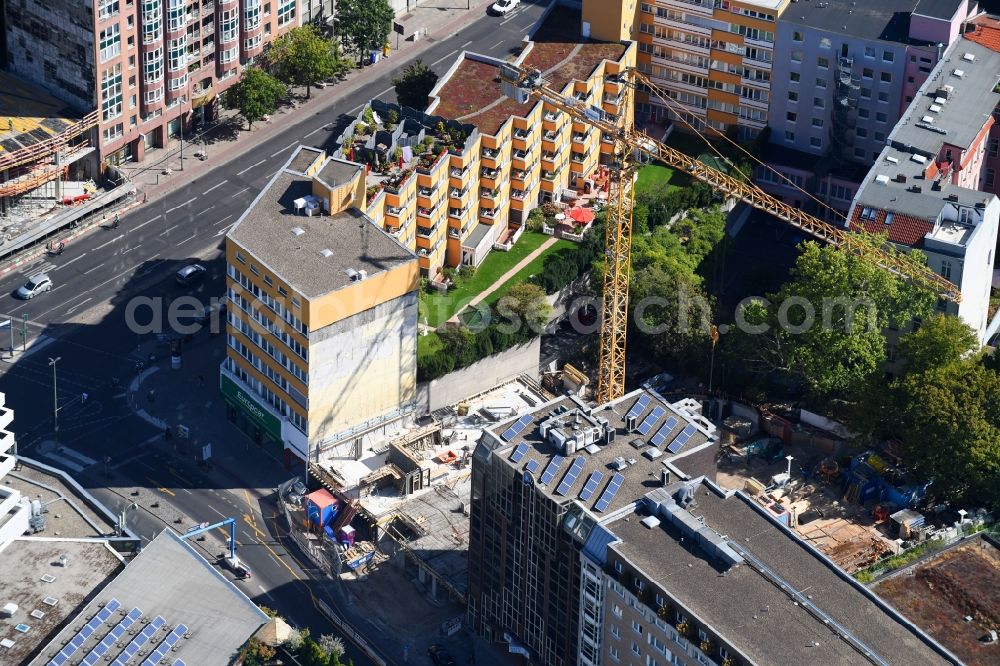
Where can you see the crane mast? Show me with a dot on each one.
(524, 85)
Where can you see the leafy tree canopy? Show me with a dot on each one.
(364, 24)
(940, 340)
(255, 95)
(414, 85)
(302, 56)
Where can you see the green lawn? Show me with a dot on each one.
(428, 345)
(656, 177)
(435, 308)
(533, 268)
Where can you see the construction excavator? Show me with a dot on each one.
(631, 145)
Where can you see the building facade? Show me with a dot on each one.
(152, 68)
(455, 180)
(322, 315)
(524, 572)
(923, 190)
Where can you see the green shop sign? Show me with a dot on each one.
(253, 409)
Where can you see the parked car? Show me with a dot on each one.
(502, 7)
(190, 274)
(440, 656)
(35, 285)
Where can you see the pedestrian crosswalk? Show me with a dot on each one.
(43, 267)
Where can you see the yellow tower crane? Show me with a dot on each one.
(523, 85)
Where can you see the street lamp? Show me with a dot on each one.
(55, 399)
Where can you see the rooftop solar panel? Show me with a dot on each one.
(650, 421)
(532, 466)
(571, 476)
(639, 407)
(551, 469)
(519, 453)
(165, 646)
(609, 493)
(139, 641)
(81, 637)
(664, 431)
(515, 429)
(592, 483)
(179, 662)
(682, 438)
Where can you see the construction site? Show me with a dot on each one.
(50, 177)
(393, 512)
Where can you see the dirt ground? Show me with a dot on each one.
(844, 531)
(939, 594)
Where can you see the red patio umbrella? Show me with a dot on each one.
(581, 215)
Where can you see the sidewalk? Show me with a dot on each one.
(227, 137)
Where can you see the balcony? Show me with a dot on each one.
(550, 156)
(425, 191)
(550, 116)
(425, 212)
(488, 213)
(581, 95)
(614, 99)
(393, 210)
(486, 193)
(519, 174)
(425, 232)
(491, 153)
(518, 194)
(551, 135)
(580, 158)
(458, 212)
(458, 193)
(459, 173)
(522, 133)
(490, 173)
(549, 175)
(207, 8)
(580, 137)
(454, 233)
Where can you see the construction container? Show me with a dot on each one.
(321, 508)
(906, 521)
(346, 535)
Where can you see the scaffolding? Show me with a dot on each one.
(845, 108)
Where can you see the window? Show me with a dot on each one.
(793, 96)
(791, 116)
(254, 270)
(635, 647)
(880, 136)
(869, 51)
(228, 55)
(617, 610)
(618, 567)
(796, 56)
(268, 281)
(636, 627)
(613, 652)
(864, 113)
(888, 56)
(615, 631)
(152, 65)
(823, 62)
(638, 583)
(883, 97)
(815, 142)
(796, 36)
(252, 15)
(989, 178)
(286, 12)
(866, 93)
(240, 258)
(867, 73)
(821, 83)
(111, 93)
(175, 15)
(252, 42)
(946, 269)
(910, 79)
(107, 8)
(794, 77)
(881, 117)
(819, 102)
(817, 122)
(111, 42)
(859, 153)
(152, 21)
(862, 132)
(113, 132)
(789, 136)
(825, 43)
(885, 77)
(153, 96)
(178, 83)
(229, 25)
(994, 147)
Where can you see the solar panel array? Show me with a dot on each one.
(571, 476)
(139, 641)
(166, 645)
(639, 407)
(609, 493)
(682, 438)
(179, 662)
(551, 469)
(81, 636)
(650, 421)
(515, 430)
(532, 466)
(591, 487)
(664, 431)
(519, 453)
(102, 648)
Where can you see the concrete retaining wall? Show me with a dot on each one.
(480, 376)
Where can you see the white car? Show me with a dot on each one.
(502, 7)
(35, 285)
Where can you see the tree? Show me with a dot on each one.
(672, 315)
(302, 56)
(950, 421)
(825, 327)
(414, 85)
(333, 646)
(365, 24)
(255, 95)
(941, 340)
(525, 303)
(257, 653)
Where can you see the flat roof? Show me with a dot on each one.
(642, 472)
(471, 94)
(29, 114)
(269, 230)
(91, 564)
(746, 608)
(76, 520)
(217, 617)
(884, 20)
(939, 592)
(939, 9)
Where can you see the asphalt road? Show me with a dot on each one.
(82, 322)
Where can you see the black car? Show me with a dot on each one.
(440, 656)
(190, 274)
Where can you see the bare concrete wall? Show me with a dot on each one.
(478, 377)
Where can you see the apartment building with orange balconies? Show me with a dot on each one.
(152, 68)
(463, 175)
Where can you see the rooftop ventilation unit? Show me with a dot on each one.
(940, 101)
(919, 159)
(650, 521)
(927, 119)
(326, 253)
(935, 108)
(881, 178)
(968, 57)
(893, 160)
(958, 72)
(297, 231)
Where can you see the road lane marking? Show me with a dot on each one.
(444, 57)
(466, 44)
(116, 238)
(187, 491)
(224, 230)
(214, 187)
(275, 154)
(70, 311)
(68, 262)
(223, 219)
(217, 511)
(317, 130)
(185, 240)
(240, 173)
(163, 490)
(387, 90)
(236, 194)
(152, 219)
(134, 247)
(170, 210)
(206, 210)
(168, 230)
(91, 270)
